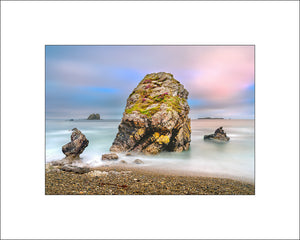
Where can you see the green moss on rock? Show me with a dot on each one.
(155, 116)
(144, 89)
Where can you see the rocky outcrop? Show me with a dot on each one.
(110, 156)
(219, 136)
(78, 143)
(155, 118)
(94, 116)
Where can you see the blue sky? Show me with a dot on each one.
(98, 79)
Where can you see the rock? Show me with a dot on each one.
(123, 162)
(94, 116)
(110, 156)
(128, 154)
(60, 162)
(219, 136)
(71, 120)
(66, 161)
(75, 169)
(138, 161)
(78, 143)
(155, 118)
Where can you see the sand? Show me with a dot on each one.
(125, 179)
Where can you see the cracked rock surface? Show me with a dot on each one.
(155, 117)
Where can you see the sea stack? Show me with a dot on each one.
(94, 116)
(218, 136)
(155, 118)
(78, 143)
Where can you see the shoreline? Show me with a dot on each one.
(127, 179)
(160, 169)
(175, 172)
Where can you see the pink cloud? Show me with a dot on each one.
(225, 71)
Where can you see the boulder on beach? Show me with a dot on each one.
(155, 118)
(75, 169)
(78, 143)
(219, 136)
(110, 156)
(94, 116)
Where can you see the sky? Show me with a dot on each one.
(81, 80)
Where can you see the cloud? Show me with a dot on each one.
(77, 73)
(220, 79)
(224, 73)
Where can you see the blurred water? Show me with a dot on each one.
(235, 158)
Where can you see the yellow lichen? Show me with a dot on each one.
(156, 135)
(163, 139)
(141, 131)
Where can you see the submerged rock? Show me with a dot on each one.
(78, 143)
(110, 156)
(219, 135)
(155, 118)
(94, 116)
(138, 161)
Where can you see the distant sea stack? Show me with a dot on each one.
(155, 118)
(94, 116)
(218, 136)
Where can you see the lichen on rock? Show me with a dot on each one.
(155, 117)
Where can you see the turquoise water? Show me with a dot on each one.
(235, 158)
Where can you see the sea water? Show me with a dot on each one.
(234, 158)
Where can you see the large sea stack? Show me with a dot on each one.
(155, 118)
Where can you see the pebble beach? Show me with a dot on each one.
(127, 180)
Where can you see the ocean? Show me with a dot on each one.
(232, 159)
